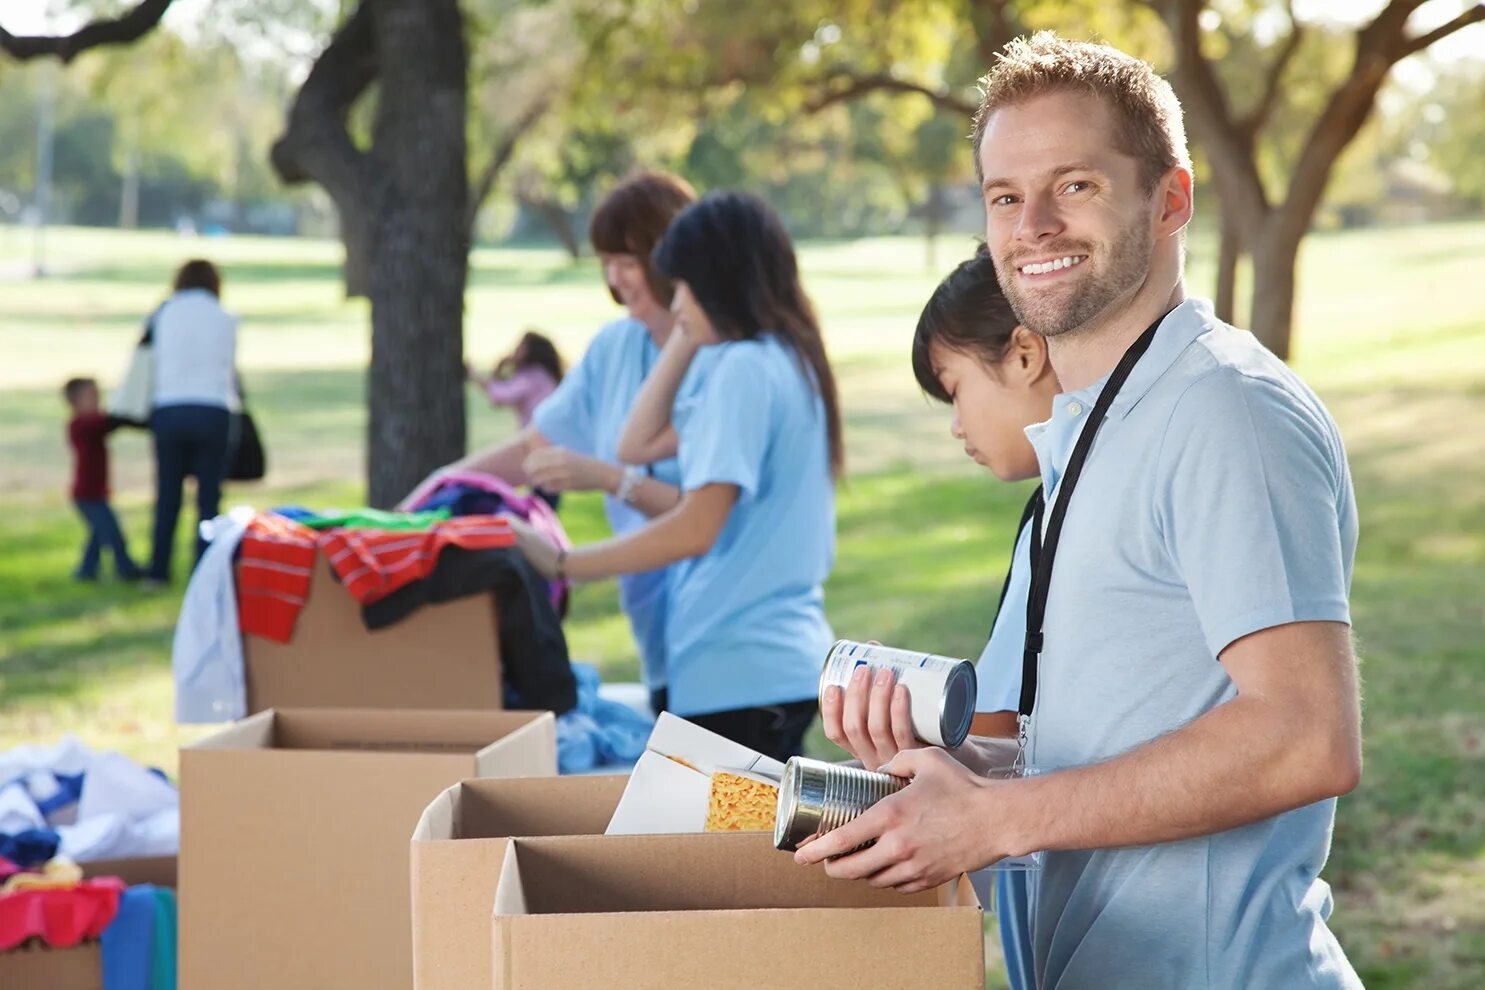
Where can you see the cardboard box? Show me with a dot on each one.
(442, 656)
(717, 911)
(294, 826)
(458, 848)
(80, 967)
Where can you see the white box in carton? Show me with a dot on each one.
(670, 785)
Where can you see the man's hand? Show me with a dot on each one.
(536, 548)
(557, 469)
(871, 720)
(939, 826)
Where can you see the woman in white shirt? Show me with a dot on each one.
(194, 342)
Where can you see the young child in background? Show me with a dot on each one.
(523, 378)
(87, 432)
(970, 353)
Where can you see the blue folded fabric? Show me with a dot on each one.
(29, 847)
(598, 731)
(128, 943)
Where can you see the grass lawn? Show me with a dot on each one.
(1390, 332)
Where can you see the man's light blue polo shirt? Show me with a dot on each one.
(586, 414)
(1216, 502)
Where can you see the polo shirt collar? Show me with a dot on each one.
(1054, 439)
(1178, 330)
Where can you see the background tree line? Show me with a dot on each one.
(431, 123)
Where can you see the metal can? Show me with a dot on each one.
(941, 689)
(817, 797)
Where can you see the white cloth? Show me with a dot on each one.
(207, 653)
(195, 349)
(124, 811)
(18, 811)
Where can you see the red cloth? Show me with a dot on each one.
(278, 558)
(88, 432)
(60, 917)
(374, 563)
(273, 572)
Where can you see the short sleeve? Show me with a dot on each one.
(1250, 490)
(998, 672)
(569, 416)
(723, 428)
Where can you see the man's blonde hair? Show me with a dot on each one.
(1147, 116)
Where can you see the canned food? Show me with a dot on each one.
(941, 690)
(817, 797)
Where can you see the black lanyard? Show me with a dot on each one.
(1044, 550)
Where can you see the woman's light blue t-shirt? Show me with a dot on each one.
(746, 623)
(998, 672)
(586, 414)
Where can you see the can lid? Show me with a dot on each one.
(958, 711)
(800, 807)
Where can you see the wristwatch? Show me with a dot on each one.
(629, 483)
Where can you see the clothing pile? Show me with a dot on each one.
(64, 805)
(71, 801)
(256, 573)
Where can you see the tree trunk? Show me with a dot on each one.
(1275, 277)
(1229, 253)
(418, 252)
(556, 218)
(129, 194)
(933, 222)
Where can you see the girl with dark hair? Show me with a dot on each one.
(524, 378)
(572, 441)
(744, 394)
(970, 353)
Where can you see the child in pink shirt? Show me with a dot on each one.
(524, 378)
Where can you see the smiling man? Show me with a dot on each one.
(1192, 694)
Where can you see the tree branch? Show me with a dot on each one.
(1229, 147)
(502, 155)
(1415, 45)
(1255, 118)
(316, 145)
(105, 31)
(842, 87)
(1379, 46)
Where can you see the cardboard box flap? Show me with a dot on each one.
(253, 732)
(438, 819)
(531, 806)
(737, 871)
(390, 730)
(509, 754)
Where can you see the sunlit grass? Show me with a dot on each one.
(1391, 332)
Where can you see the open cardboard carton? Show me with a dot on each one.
(79, 967)
(717, 911)
(294, 826)
(458, 849)
(445, 655)
(670, 785)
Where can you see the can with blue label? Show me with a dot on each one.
(941, 690)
